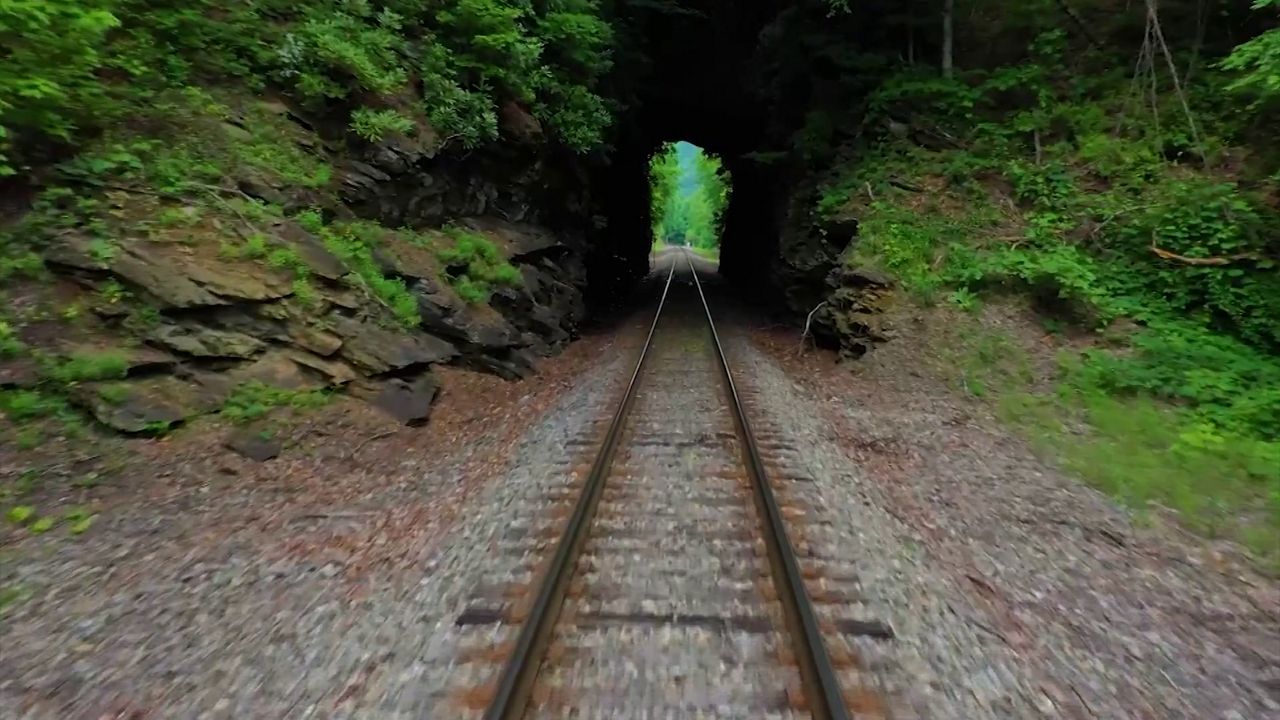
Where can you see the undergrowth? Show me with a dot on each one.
(475, 268)
(73, 67)
(1106, 223)
(353, 243)
(253, 400)
(1146, 452)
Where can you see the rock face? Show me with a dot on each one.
(815, 273)
(404, 184)
(406, 400)
(852, 319)
(224, 322)
(221, 292)
(253, 445)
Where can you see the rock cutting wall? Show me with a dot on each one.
(193, 318)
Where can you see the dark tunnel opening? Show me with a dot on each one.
(759, 86)
(698, 87)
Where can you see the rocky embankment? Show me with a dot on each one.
(223, 322)
(843, 305)
(155, 305)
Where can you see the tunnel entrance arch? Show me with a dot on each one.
(698, 88)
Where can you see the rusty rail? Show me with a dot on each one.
(518, 676)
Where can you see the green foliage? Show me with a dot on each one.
(20, 514)
(88, 367)
(113, 293)
(78, 520)
(49, 82)
(188, 148)
(18, 262)
(254, 399)
(664, 181)
(1128, 444)
(1037, 183)
(304, 292)
(1201, 218)
(689, 193)
(10, 344)
(1144, 454)
(1256, 64)
(72, 68)
(1221, 382)
(23, 405)
(29, 438)
(336, 45)
(472, 53)
(286, 258)
(475, 268)
(373, 125)
(353, 243)
(310, 220)
(10, 595)
(254, 247)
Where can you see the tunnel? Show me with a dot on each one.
(696, 87)
(744, 82)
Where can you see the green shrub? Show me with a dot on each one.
(1199, 218)
(305, 293)
(1256, 65)
(10, 344)
(22, 263)
(254, 399)
(475, 267)
(353, 243)
(49, 83)
(1184, 410)
(337, 43)
(310, 220)
(373, 125)
(23, 405)
(88, 367)
(1221, 380)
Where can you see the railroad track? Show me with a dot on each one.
(674, 589)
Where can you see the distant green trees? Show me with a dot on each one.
(690, 191)
(1257, 63)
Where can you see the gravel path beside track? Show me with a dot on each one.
(1013, 590)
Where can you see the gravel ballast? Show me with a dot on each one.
(1013, 590)
(375, 573)
(314, 586)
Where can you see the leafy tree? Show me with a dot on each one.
(690, 192)
(53, 50)
(70, 67)
(1257, 63)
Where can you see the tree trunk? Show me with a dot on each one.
(948, 38)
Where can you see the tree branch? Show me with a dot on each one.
(1080, 24)
(1201, 262)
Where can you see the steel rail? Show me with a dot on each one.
(517, 678)
(822, 690)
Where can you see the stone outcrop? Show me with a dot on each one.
(853, 316)
(407, 400)
(820, 281)
(224, 322)
(184, 279)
